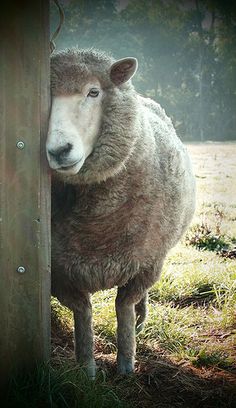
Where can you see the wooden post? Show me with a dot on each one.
(24, 186)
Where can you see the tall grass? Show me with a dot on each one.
(64, 386)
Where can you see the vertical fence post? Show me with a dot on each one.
(24, 186)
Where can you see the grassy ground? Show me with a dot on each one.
(186, 355)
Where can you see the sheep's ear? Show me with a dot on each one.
(123, 69)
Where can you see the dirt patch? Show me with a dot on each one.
(231, 254)
(158, 381)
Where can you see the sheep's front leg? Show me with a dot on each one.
(125, 312)
(84, 333)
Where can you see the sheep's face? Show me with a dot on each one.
(73, 128)
(76, 123)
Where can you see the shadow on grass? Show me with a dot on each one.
(158, 381)
(173, 385)
(59, 386)
(204, 295)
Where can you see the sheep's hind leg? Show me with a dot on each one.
(141, 313)
(125, 312)
(84, 333)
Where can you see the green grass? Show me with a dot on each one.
(215, 358)
(64, 386)
(190, 276)
(202, 237)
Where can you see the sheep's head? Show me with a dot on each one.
(78, 94)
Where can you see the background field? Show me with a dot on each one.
(186, 51)
(186, 355)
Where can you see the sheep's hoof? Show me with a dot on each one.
(125, 365)
(90, 368)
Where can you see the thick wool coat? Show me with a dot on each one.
(114, 222)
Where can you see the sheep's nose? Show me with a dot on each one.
(61, 152)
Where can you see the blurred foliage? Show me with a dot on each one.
(186, 52)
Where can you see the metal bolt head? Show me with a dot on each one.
(21, 269)
(20, 145)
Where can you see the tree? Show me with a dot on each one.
(186, 53)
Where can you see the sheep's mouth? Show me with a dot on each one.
(65, 168)
(68, 169)
(71, 169)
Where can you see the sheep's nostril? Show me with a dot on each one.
(61, 152)
(52, 153)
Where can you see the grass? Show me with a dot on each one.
(64, 386)
(186, 354)
(202, 237)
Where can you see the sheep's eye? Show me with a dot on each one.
(94, 92)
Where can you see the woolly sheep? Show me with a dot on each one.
(123, 193)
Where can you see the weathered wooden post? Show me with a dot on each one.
(24, 186)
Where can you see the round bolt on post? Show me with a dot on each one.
(20, 144)
(21, 269)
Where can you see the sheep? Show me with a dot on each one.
(123, 193)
